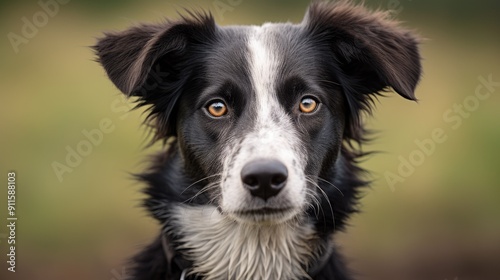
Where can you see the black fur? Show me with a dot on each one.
(350, 53)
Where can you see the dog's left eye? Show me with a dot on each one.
(308, 105)
(217, 108)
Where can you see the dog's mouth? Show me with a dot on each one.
(264, 211)
(265, 214)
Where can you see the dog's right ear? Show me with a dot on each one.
(154, 61)
(130, 57)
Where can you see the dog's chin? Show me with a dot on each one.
(265, 215)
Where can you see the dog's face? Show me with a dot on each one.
(264, 116)
(261, 112)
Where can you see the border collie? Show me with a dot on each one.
(262, 127)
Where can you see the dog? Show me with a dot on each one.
(262, 128)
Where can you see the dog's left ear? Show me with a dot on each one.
(369, 53)
(370, 48)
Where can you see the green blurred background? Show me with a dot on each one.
(441, 222)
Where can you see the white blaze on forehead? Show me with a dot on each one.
(264, 62)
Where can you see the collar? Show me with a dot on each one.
(183, 274)
(177, 267)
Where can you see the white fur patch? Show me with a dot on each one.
(222, 248)
(273, 136)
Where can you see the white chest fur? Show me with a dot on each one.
(222, 248)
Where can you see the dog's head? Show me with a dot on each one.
(262, 112)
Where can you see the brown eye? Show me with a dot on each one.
(217, 108)
(308, 105)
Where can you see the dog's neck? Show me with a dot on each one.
(221, 248)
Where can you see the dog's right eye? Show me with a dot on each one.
(217, 108)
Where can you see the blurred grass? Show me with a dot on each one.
(441, 223)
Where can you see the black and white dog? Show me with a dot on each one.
(262, 125)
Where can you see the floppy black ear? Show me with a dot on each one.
(153, 62)
(372, 52)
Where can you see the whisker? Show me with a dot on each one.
(325, 195)
(208, 177)
(329, 183)
(319, 204)
(215, 208)
(316, 204)
(203, 190)
(212, 200)
(315, 196)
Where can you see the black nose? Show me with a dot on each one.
(264, 178)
